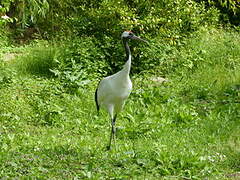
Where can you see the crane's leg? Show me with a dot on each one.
(113, 132)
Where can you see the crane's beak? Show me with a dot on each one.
(139, 39)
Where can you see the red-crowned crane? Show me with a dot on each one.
(113, 90)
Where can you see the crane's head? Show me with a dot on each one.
(130, 35)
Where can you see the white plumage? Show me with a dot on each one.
(113, 90)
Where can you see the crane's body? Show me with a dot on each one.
(113, 90)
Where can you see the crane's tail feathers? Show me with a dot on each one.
(96, 101)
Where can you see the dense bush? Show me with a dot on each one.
(111, 17)
(164, 24)
(79, 61)
(230, 10)
(204, 48)
(91, 31)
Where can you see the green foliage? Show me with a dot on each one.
(112, 17)
(30, 12)
(231, 5)
(230, 10)
(4, 40)
(168, 20)
(96, 27)
(186, 128)
(78, 62)
(6, 75)
(156, 18)
(204, 48)
(4, 31)
(37, 60)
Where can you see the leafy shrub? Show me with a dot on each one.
(6, 75)
(95, 28)
(4, 36)
(79, 61)
(230, 10)
(165, 24)
(205, 47)
(110, 18)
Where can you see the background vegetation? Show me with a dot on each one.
(53, 53)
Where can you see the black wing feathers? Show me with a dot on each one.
(96, 101)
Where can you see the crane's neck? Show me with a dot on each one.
(127, 65)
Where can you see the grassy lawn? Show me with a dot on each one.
(186, 128)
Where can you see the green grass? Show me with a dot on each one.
(187, 128)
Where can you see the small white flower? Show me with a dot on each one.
(5, 17)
